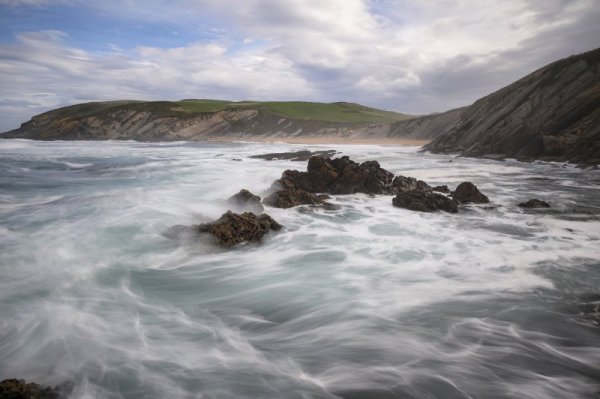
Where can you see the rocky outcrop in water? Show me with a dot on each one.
(292, 197)
(20, 389)
(339, 176)
(424, 201)
(232, 228)
(468, 193)
(534, 203)
(441, 189)
(404, 184)
(244, 200)
(551, 114)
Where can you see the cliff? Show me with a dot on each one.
(551, 114)
(205, 120)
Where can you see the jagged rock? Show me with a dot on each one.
(20, 389)
(402, 184)
(534, 203)
(338, 176)
(232, 228)
(246, 201)
(467, 192)
(441, 189)
(301, 155)
(292, 197)
(424, 201)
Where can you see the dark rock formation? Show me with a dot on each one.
(402, 183)
(467, 192)
(424, 201)
(232, 228)
(441, 189)
(19, 389)
(292, 197)
(338, 176)
(301, 155)
(534, 203)
(246, 201)
(551, 114)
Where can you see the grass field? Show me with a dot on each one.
(325, 112)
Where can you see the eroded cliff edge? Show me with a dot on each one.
(550, 114)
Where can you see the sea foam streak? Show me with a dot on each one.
(365, 301)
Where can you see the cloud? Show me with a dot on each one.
(415, 57)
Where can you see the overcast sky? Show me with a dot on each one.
(413, 56)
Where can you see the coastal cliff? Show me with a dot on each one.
(550, 114)
(206, 120)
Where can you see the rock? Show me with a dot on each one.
(292, 197)
(232, 228)
(424, 201)
(338, 176)
(246, 201)
(467, 192)
(19, 389)
(441, 189)
(403, 184)
(534, 203)
(550, 114)
(302, 155)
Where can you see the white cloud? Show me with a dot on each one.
(411, 56)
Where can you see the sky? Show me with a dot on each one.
(412, 56)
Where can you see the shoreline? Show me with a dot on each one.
(385, 141)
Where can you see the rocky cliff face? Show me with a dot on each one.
(551, 114)
(148, 122)
(426, 127)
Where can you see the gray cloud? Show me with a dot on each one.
(401, 55)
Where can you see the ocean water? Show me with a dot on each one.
(368, 301)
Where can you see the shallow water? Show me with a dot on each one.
(368, 301)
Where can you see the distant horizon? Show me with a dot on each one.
(398, 56)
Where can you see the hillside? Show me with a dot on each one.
(551, 114)
(205, 119)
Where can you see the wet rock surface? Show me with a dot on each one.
(232, 228)
(292, 197)
(20, 389)
(424, 201)
(246, 201)
(441, 189)
(403, 184)
(338, 176)
(534, 203)
(468, 193)
(301, 155)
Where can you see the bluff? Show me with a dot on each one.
(206, 120)
(550, 114)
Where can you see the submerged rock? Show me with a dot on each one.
(301, 155)
(534, 203)
(424, 201)
(232, 228)
(467, 192)
(246, 201)
(20, 389)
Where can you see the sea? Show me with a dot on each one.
(363, 301)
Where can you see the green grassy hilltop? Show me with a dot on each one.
(339, 112)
